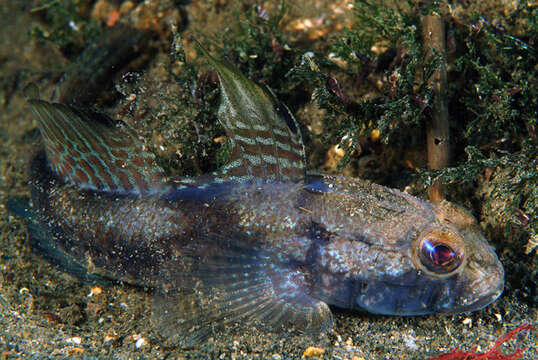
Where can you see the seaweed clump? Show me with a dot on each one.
(263, 52)
(174, 107)
(373, 79)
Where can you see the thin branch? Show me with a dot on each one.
(433, 35)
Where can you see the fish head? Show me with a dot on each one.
(448, 267)
(394, 254)
(454, 253)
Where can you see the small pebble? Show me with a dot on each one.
(468, 322)
(74, 351)
(313, 351)
(109, 338)
(410, 343)
(140, 342)
(74, 340)
(94, 291)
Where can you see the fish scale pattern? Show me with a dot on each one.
(89, 151)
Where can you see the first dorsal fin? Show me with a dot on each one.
(86, 148)
(265, 136)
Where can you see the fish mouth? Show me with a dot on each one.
(487, 294)
(474, 306)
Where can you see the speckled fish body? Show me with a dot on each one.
(257, 240)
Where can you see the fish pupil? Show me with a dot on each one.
(442, 255)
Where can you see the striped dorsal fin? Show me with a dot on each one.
(87, 149)
(266, 140)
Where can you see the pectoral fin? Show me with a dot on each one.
(243, 288)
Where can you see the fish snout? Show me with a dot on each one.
(485, 284)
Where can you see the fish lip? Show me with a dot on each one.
(481, 303)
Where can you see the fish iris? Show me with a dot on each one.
(438, 257)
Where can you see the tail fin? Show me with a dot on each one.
(42, 242)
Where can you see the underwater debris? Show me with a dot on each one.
(492, 354)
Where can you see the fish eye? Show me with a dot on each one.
(440, 252)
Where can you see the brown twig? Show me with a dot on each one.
(433, 35)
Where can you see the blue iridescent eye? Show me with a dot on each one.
(439, 256)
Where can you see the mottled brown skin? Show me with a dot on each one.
(351, 243)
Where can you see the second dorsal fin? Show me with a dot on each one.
(86, 148)
(265, 136)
